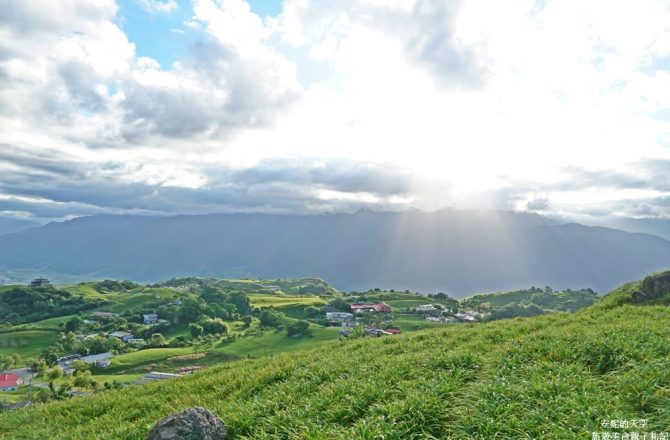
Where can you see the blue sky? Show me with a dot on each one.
(154, 33)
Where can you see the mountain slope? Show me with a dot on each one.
(9, 225)
(459, 252)
(557, 376)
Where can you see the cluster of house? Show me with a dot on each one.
(127, 337)
(344, 317)
(469, 316)
(101, 360)
(434, 311)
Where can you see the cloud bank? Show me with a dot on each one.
(331, 106)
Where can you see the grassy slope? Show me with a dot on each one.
(28, 343)
(553, 377)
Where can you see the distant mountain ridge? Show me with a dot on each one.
(457, 252)
(9, 225)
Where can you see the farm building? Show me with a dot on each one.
(150, 318)
(9, 381)
(98, 358)
(380, 307)
(338, 317)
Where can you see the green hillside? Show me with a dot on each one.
(556, 376)
(503, 304)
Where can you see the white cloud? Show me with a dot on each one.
(158, 6)
(484, 103)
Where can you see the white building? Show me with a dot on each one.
(339, 317)
(426, 308)
(150, 318)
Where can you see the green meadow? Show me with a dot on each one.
(555, 376)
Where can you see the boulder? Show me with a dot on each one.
(192, 424)
(654, 287)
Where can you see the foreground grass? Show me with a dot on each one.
(551, 377)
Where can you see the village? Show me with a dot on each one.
(367, 317)
(93, 342)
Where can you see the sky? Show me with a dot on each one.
(169, 107)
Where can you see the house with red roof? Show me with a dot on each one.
(9, 381)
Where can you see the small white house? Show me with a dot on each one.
(426, 308)
(150, 318)
(135, 341)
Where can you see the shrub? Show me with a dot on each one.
(297, 328)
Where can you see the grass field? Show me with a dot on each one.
(28, 343)
(130, 361)
(278, 301)
(552, 377)
(273, 342)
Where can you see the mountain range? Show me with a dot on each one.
(9, 225)
(457, 252)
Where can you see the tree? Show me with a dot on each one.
(79, 366)
(60, 393)
(74, 324)
(297, 328)
(312, 312)
(100, 344)
(340, 304)
(41, 367)
(70, 341)
(214, 326)
(247, 320)
(56, 373)
(83, 379)
(192, 309)
(270, 318)
(16, 359)
(195, 329)
(43, 395)
(158, 340)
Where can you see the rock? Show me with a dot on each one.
(654, 287)
(192, 424)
